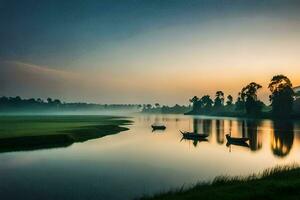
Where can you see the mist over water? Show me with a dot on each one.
(139, 161)
(121, 112)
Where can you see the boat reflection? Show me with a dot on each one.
(241, 144)
(194, 140)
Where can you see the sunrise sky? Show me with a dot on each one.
(145, 51)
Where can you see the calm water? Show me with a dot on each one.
(140, 161)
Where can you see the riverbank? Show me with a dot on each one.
(19, 133)
(264, 115)
(276, 183)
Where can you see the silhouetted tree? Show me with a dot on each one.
(148, 106)
(207, 103)
(229, 101)
(49, 100)
(16, 104)
(282, 96)
(157, 105)
(196, 103)
(57, 101)
(39, 100)
(177, 109)
(239, 104)
(219, 100)
(249, 95)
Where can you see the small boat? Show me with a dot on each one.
(158, 127)
(191, 135)
(236, 139)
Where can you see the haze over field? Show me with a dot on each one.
(145, 51)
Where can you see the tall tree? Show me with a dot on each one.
(229, 100)
(249, 95)
(282, 96)
(49, 100)
(194, 100)
(219, 100)
(148, 106)
(239, 104)
(207, 103)
(57, 102)
(196, 103)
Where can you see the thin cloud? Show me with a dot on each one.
(38, 69)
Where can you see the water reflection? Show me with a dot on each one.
(282, 134)
(282, 138)
(220, 131)
(195, 141)
(207, 126)
(251, 131)
(277, 134)
(202, 126)
(196, 125)
(157, 162)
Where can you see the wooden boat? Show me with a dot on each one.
(191, 135)
(235, 139)
(158, 127)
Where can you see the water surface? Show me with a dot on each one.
(139, 161)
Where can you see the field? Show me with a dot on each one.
(36, 132)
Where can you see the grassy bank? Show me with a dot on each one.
(38, 132)
(277, 183)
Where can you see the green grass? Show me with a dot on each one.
(16, 126)
(36, 132)
(276, 183)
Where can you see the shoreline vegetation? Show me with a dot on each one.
(284, 103)
(20, 133)
(275, 183)
(18, 105)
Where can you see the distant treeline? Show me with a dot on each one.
(17, 104)
(157, 108)
(284, 101)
